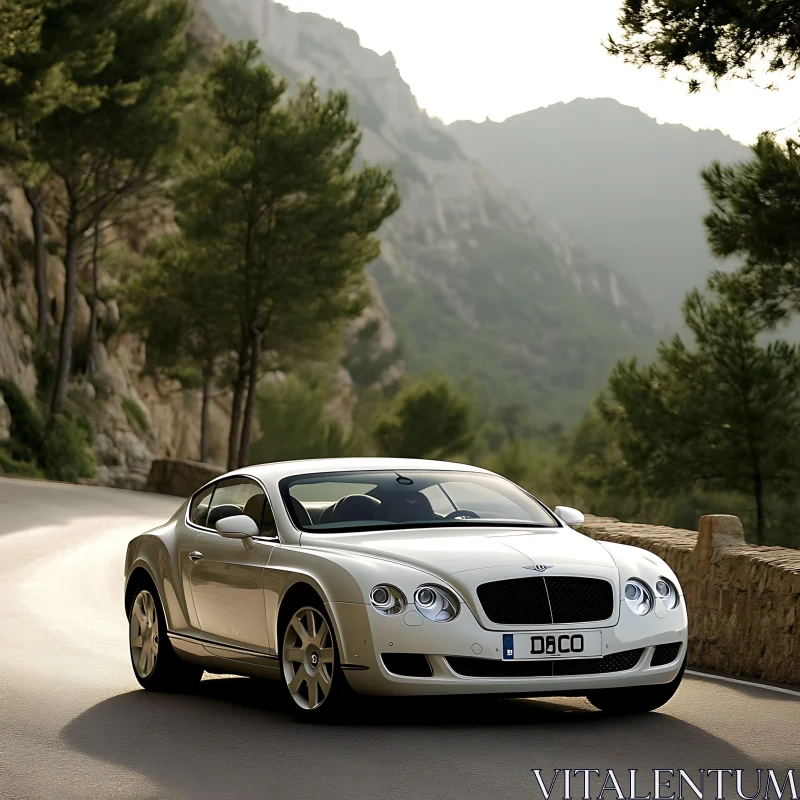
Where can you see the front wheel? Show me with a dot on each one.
(310, 666)
(155, 663)
(636, 699)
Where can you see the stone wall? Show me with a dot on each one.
(743, 600)
(179, 477)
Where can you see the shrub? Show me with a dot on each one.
(428, 418)
(19, 469)
(27, 431)
(65, 453)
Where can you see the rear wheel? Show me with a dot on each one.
(310, 665)
(155, 663)
(636, 699)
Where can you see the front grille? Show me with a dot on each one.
(556, 599)
(487, 668)
(411, 665)
(665, 654)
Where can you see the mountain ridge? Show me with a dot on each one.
(474, 282)
(624, 185)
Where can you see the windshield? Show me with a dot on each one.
(338, 502)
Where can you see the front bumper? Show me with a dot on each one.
(364, 634)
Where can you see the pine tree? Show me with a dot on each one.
(724, 414)
(178, 299)
(120, 61)
(271, 195)
(755, 216)
(723, 39)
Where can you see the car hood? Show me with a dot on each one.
(455, 550)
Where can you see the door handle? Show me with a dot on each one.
(195, 555)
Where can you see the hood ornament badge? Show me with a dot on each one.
(538, 567)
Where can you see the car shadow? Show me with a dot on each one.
(235, 738)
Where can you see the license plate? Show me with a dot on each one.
(558, 644)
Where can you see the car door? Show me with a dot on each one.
(227, 577)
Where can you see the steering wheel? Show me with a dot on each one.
(463, 513)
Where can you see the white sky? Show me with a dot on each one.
(469, 59)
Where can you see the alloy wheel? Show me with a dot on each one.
(308, 658)
(144, 634)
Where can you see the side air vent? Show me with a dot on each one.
(409, 665)
(665, 654)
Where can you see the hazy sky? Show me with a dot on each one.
(466, 59)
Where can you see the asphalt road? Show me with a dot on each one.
(74, 723)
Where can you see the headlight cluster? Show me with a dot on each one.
(641, 598)
(436, 603)
(433, 602)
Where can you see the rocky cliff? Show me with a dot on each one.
(474, 283)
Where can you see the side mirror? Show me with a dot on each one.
(239, 526)
(570, 516)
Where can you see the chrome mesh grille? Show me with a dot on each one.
(556, 599)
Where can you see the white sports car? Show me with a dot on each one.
(401, 577)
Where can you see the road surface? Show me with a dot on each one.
(75, 724)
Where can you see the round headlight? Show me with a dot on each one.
(638, 597)
(387, 599)
(436, 604)
(667, 593)
(425, 597)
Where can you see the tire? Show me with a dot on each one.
(636, 699)
(311, 674)
(155, 663)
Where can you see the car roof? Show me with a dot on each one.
(283, 469)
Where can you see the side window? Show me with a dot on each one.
(241, 496)
(198, 511)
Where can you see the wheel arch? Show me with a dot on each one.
(150, 555)
(305, 588)
(139, 577)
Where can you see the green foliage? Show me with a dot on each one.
(511, 321)
(27, 431)
(59, 451)
(179, 301)
(270, 203)
(720, 38)
(66, 455)
(428, 418)
(294, 425)
(755, 216)
(722, 416)
(135, 415)
(16, 468)
(95, 106)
